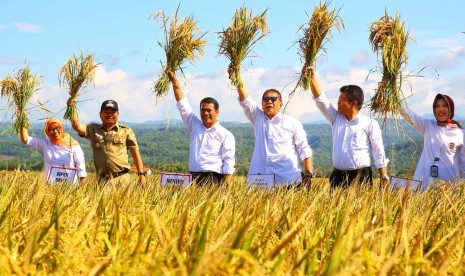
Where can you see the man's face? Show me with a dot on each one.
(271, 104)
(208, 114)
(344, 105)
(109, 117)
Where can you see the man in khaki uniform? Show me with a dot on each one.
(110, 143)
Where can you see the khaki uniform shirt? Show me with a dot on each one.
(110, 147)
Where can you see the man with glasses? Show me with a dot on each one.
(355, 136)
(110, 142)
(280, 140)
(212, 147)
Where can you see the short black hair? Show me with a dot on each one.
(275, 91)
(212, 101)
(354, 93)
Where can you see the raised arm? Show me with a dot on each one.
(314, 85)
(23, 135)
(78, 127)
(178, 94)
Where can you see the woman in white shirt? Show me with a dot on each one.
(63, 155)
(443, 155)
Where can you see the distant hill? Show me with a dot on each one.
(167, 149)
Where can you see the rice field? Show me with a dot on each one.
(219, 231)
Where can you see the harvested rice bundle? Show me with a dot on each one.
(388, 38)
(77, 73)
(183, 41)
(316, 33)
(238, 39)
(18, 90)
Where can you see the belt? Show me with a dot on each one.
(114, 175)
(354, 170)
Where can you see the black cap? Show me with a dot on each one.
(109, 104)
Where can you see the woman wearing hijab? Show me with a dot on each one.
(59, 150)
(443, 155)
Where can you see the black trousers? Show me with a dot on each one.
(345, 178)
(207, 178)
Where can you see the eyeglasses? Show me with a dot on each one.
(267, 99)
(57, 129)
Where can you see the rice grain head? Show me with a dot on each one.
(238, 40)
(389, 38)
(18, 90)
(182, 42)
(315, 35)
(76, 74)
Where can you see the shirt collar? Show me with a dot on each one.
(276, 118)
(115, 126)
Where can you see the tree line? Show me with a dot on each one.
(166, 149)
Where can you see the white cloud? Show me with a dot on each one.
(447, 59)
(361, 58)
(29, 28)
(137, 102)
(3, 26)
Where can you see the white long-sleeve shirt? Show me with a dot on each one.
(54, 155)
(211, 149)
(279, 144)
(353, 140)
(444, 142)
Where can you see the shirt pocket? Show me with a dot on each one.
(359, 140)
(282, 136)
(212, 146)
(452, 142)
(118, 141)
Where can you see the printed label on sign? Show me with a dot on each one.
(61, 175)
(261, 180)
(399, 183)
(175, 179)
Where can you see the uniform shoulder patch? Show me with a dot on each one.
(122, 125)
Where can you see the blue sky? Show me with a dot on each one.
(45, 34)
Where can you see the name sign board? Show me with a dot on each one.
(261, 180)
(61, 175)
(175, 179)
(399, 183)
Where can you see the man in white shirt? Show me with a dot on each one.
(355, 136)
(280, 140)
(212, 147)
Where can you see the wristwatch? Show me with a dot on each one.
(308, 175)
(141, 173)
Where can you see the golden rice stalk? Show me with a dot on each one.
(238, 40)
(76, 74)
(388, 38)
(315, 34)
(18, 90)
(183, 42)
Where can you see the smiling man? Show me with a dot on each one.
(355, 136)
(212, 147)
(280, 140)
(110, 143)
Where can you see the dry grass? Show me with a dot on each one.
(182, 42)
(315, 35)
(238, 40)
(76, 74)
(201, 231)
(18, 90)
(389, 38)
